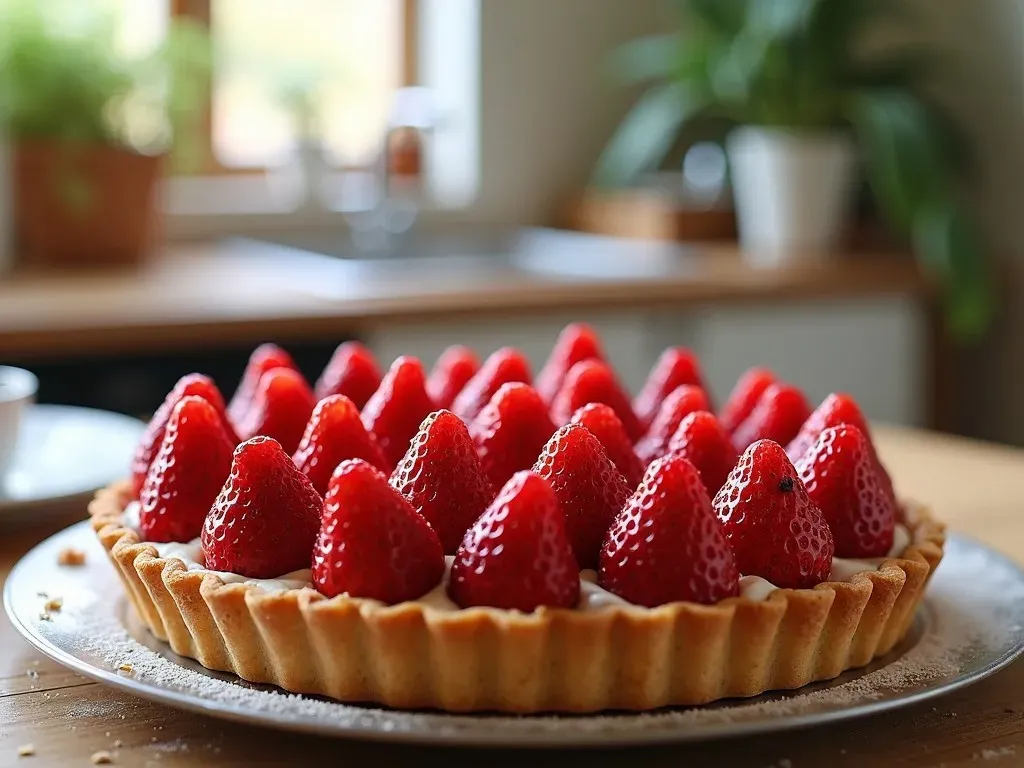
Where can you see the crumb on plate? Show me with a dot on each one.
(53, 605)
(126, 667)
(26, 750)
(71, 556)
(102, 758)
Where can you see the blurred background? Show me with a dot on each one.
(830, 188)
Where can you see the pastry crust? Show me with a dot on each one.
(553, 660)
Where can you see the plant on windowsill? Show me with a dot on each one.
(802, 108)
(90, 124)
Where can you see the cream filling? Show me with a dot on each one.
(592, 596)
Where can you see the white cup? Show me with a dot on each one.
(17, 392)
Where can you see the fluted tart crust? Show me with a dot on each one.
(623, 657)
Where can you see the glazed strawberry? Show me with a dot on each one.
(592, 381)
(441, 478)
(778, 416)
(452, 372)
(398, 407)
(266, 517)
(264, 358)
(281, 408)
(517, 554)
(667, 545)
(704, 443)
(577, 342)
(194, 384)
(601, 421)
(835, 410)
(676, 366)
(677, 406)
(503, 367)
(187, 474)
(775, 530)
(843, 478)
(590, 490)
(335, 433)
(352, 372)
(510, 431)
(744, 397)
(372, 544)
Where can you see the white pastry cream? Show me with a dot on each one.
(592, 596)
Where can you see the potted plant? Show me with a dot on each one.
(802, 109)
(90, 123)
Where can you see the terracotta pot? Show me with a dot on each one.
(84, 205)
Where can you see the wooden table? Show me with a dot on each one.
(976, 487)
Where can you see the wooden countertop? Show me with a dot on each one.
(237, 291)
(976, 487)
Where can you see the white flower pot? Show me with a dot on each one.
(792, 192)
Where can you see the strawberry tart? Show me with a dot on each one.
(478, 539)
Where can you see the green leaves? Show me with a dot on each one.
(656, 57)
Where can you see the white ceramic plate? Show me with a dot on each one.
(970, 627)
(64, 453)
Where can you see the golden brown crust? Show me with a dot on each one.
(618, 657)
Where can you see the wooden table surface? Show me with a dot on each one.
(977, 488)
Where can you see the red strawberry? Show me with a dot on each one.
(194, 384)
(510, 431)
(592, 381)
(187, 473)
(836, 409)
(517, 555)
(778, 416)
(744, 397)
(398, 407)
(504, 366)
(281, 408)
(842, 477)
(701, 440)
(335, 433)
(264, 522)
(775, 530)
(577, 342)
(677, 406)
(601, 421)
(676, 366)
(351, 372)
(590, 490)
(667, 545)
(453, 370)
(442, 479)
(264, 358)
(372, 544)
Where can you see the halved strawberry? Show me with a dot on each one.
(590, 490)
(510, 431)
(683, 401)
(777, 416)
(452, 372)
(372, 544)
(335, 433)
(667, 545)
(593, 381)
(441, 477)
(503, 367)
(517, 554)
(744, 397)
(675, 367)
(701, 440)
(187, 474)
(352, 371)
(266, 357)
(603, 424)
(266, 517)
(398, 407)
(843, 478)
(577, 342)
(281, 408)
(775, 530)
(194, 384)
